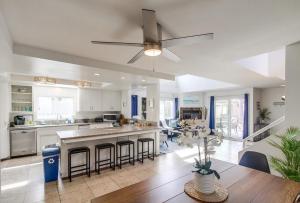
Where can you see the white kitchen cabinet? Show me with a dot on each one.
(89, 100)
(47, 135)
(111, 100)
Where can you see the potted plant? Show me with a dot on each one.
(289, 166)
(264, 116)
(204, 176)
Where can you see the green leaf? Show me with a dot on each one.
(216, 174)
(289, 166)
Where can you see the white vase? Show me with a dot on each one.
(204, 183)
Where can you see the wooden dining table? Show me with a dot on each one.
(244, 185)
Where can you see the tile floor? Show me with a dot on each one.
(22, 179)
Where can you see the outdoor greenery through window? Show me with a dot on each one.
(55, 108)
(167, 109)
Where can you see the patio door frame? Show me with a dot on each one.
(229, 99)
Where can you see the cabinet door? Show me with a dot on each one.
(84, 100)
(111, 101)
(89, 100)
(96, 103)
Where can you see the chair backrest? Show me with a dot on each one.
(255, 160)
(164, 123)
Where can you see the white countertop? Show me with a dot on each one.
(84, 133)
(26, 127)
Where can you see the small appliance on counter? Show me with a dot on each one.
(98, 120)
(19, 120)
(110, 117)
(23, 120)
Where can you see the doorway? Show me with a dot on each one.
(229, 116)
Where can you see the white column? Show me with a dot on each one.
(292, 68)
(153, 102)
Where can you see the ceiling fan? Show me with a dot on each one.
(153, 44)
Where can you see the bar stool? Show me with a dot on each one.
(83, 167)
(142, 141)
(125, 157)
(110, 161)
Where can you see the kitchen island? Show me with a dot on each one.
(91, 137)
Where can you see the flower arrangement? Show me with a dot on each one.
(199, 135)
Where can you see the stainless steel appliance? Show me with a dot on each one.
(23, 142)
(110, 117)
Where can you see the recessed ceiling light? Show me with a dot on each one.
(122, 77)
(97, 74)
(282, 85)
(143, 80)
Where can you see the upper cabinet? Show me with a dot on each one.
(98, 100)
(89, 100)
(111, 100)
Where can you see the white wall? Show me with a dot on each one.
(126, 101)
(256, 103)
(292, 71)
(4, 115)
(6, 64)
(270, 95)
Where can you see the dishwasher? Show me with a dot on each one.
(23, 143)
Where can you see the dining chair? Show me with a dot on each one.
(255, 160)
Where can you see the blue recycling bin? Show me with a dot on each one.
(51, 163)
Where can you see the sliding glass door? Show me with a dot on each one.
(230, 116)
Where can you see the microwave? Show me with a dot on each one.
(110, 117)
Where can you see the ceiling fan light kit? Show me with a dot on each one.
(153, 43)
(152, 49)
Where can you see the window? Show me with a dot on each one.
(55, 108)
(167, 109)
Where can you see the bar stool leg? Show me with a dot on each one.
(89, 160)
(129, 153)
(133, 153)
(69, 167)
(95, 159)
(153, 150)
(99, 153)
(110, 157)
(120, 166)
(148, 150)
(86, 163)
(142, 152)
(138, 150)
(114, 159)
(117, 155)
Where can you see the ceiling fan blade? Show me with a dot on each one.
(149, 26)
(119, 43)
(170, 55)
(159, 32)
(188, 40)
(136, 57)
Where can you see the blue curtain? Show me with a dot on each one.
(176, 108)
(134, 105)
(212, 114)
(246, 119)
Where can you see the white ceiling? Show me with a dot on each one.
(26, 67)
(242, 29)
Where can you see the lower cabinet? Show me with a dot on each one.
(48, 136)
